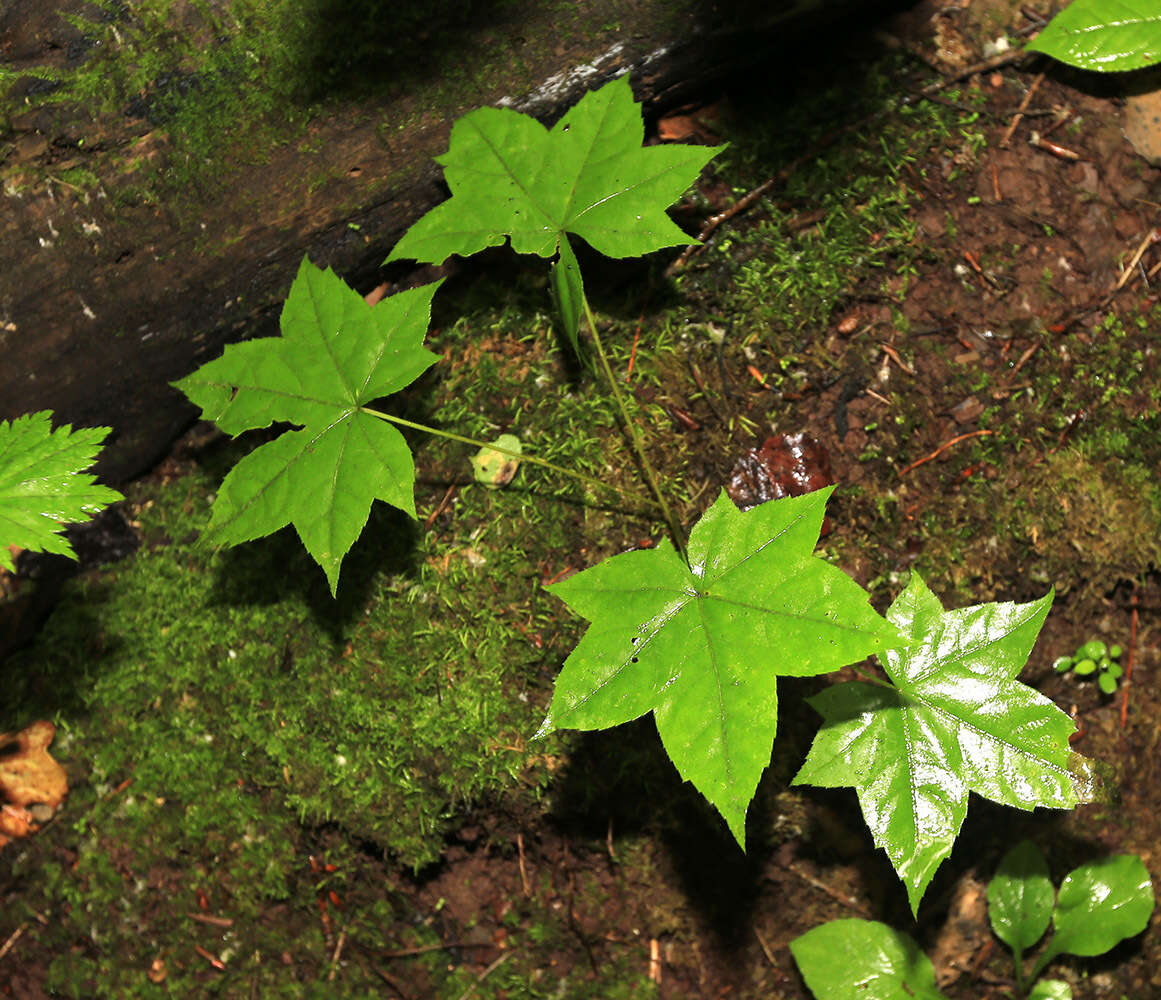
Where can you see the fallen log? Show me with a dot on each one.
(117, 276)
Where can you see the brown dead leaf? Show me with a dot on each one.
(28, 777)
(698, 126)
(964, 933)
(1143, 124)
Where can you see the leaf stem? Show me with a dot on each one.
(522, 456)
(634, 431)
(872, 679)
(1018, 963)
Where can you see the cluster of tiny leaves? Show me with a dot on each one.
(698, 641)
(42, 485)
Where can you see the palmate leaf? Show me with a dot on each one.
(511, 177)
(1106, 35)
(42, 487)
(335, 356)
(956, 720)
(702, 646)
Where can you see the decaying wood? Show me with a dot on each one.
(104, 301)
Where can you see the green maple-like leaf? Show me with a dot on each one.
(1106, 35)
(511, 177)
(42, 487)
(702, 646)
(336, 355)
(956, 720)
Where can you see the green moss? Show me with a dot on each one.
(842, 224)
(229, 83)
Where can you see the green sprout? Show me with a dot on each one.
(1094, 657)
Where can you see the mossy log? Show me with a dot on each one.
(166, 165)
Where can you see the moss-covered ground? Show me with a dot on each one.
(277, 794)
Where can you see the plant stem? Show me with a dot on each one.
(675, 531)
(872, 679)
(521, 456)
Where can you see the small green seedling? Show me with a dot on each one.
(1098, 906)
(1094, 659)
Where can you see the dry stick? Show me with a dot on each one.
(12, 939)
(1019, 115)
(439, 508)
(1151, 237)
(523, 871)
(841, 897)
(633, 351)
(894, 356)
(336, 955)
(205, 918)
(390, 981)
(941, 449)
(213, 959)
(765, 948)
(655, 961)
(423, 949)
(484, 975)
(1129, 665)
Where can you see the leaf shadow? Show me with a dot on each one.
(620, 783)
(50, 670)
(269, 570)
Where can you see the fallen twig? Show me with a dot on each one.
(520, 858)
(335, 957)
(423, 949)
(633, 350)
(942, 448)
(894, 356)
(1024, 358)
(1061, 152)
(1019, 115)
(765, 948)
(484, 975)
(439, 508)
(1129, 666)
(739, 206)
(1151, 237)
(390, 981)
(842, 897)
(12, 939)
(205, 918)
(210, 957)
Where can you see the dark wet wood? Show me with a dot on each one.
(104, 301)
